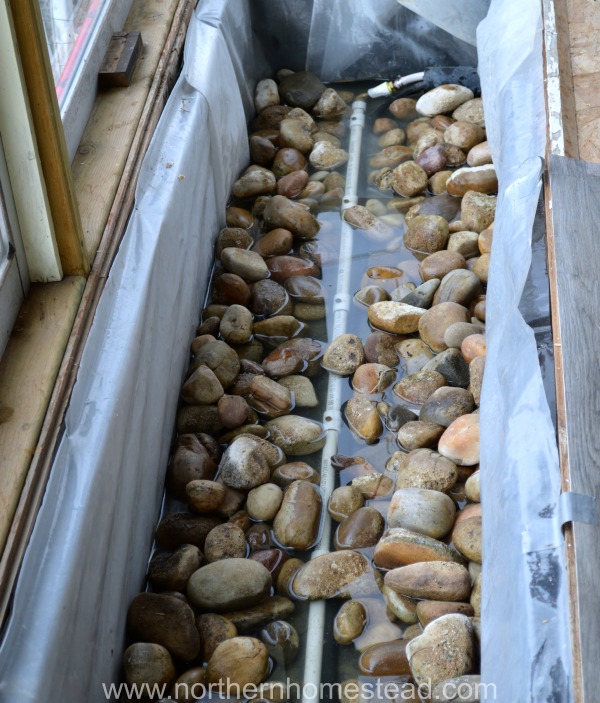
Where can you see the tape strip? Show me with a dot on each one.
(577, 507)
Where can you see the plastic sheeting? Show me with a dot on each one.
(88, 553)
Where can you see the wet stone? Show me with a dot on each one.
(301, 89)
(171, 571)
(482, 179)
(297, 134)
(344, 502)
(464, 135)
(397, 416)
(330, 105)
(464, 243)
(232, 237)
(428, 512)
(440, 263)
(225, 542)
(400, 546)
(230, 289)
(349, 622)
(415, 435)
(414, 354)
(303, 390)
(380, 349)
(344, 355)
(305, 289)
(476, 369)
(229, 584)
(297, 522)
(394, 317)
(269, 298)
(243, 465)
(417, 387)
(460, 442)
(239, 660)
(430, 610)
(472, 489)
(148, 664)
(288, 160)
(424, 468)
(363, 219)
(478, 211)
(184, 528)
(335, 575)
(190, 461)
(409, 179)
(281, 640)
(423, 295)
(296, 436)
(373, 485)
(259, 181)
(426, 234)
(460, 286)
(281, 212)
(437, 580)
(360, 530)
(247, 264)
(372, 378)
(385, 659)
(250, 619)
(204, 496)
(456, 333)
(443, 99)
(451, 364)
(447, 404)
(283, 267)
(391, 156)
(202, 387)
(236, 325)
(363, 419)
(470, 111)
(403, 108)
(434, 323)
(466, 537)
(238, 217)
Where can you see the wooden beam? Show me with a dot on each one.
(51, 143)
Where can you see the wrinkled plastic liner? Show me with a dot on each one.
(88, 553)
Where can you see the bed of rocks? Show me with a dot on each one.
(232, 577)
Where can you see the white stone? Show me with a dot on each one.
(444, 98)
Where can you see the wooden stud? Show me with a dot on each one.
(120, 60)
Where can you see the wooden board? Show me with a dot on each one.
(100, 160)
(575, 186)
(27, 373)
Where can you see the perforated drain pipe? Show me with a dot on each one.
(332, 419)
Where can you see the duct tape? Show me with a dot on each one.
(577, 507)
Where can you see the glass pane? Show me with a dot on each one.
(69, 25)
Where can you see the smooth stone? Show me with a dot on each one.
(236, 325)
(402, 607)
(330, 105)
(456, 333)
(436, 580)
(393, 137)
(443, 205)
(184, 528)
(426, 234)
(190, 461)
(432, 160)
(349, 622)
(443, 99)
(229, 584)
(291, 185)
(243, 465)
(477, 210)
(400, 546)
(437, 183)
(394, 317)
(221, 359)
(247, 264)
(232, 237)
(259, 181)
(373, 485)
(304, 392)
(269, 397)
(403, 108)
(445, 650)
(327, 156)
(440, 263)
(239, 660)
(360, 530)
(344, 502)
(372, 378)
(479, 155)
(262, 150)
(470, 111)
(397, 416)
(460, 442)
(464, 135)
(380, 349)
(269, 118)
(286, 576)
(147, 664)
(461, 689)
(301, 89)
(295, 435)
(204, 496)
(294, 356)
(464, 243)
(297, 134)
(230, 289)
(466, 537)
(402, 290)
(423, 295)
(283, 267)
(269, 298)
(447, 404)
(202, 387)
(451, 364)
(281, 212)
(430, 610)
(424, 468)
(164, 620)
(417, 387)
(428, 512)
(391, 156)
(265, 94)
(473, 346)
(238, 217)
(250, 619)
(171, 571)
(361, 218)
(277, 242)
(285, 475)
(305, 289)
(288, 160)
(415, 435)
(414, 354)
(476, 370)
(363, 419)
(476, 595)
(279, 326)
(281, 640)
(334, 575)
(274, 455)
(297, 522)
(435, 321)
(225, 542)
(382, 125)
(472, 488)
(344, 355)
(409, 179)
(459, 286)
(482, 179)
(385, 659)
(485, 239)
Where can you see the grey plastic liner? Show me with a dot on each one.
(88, 554)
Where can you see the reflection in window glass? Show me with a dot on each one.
(68, 25)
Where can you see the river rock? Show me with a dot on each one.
(204, 496)
(430, 610)
(372, 378)
(264, 501)
(344, 355)
(360, 217)
(478, 210)
(349, 622)
(443, 99)
(409, 179)
(393, 137)
(297, 522)
(466, 537)
(236, 325)
(385, 659)
(269, 397)
(404, 608)
(240, 660)
(440, 263)
(146, 664)
(287, 160)
(164, 620)
(368, 295)
(277, 242)
(472, 489)
(414, 354)
(184, 528)
(464, 135)
(305, 289)
(482, 179)
(470, 111)
(279, 327)
(417, 387)
(229, 584)
(258, 181)
(426, 234)
(476, 369)
(265, 94)
(243, 465)
(460, 286)
(446, 405)
(232, 237)
(329, 106)
(380, 348)
(428, 512)
(285, 475)
(190, 461)
(437, 580)
(452, 366)
(327, 156)
(296, 435)
(281, 640)
(464, 243)
(250, 619)
(360, 530)
(456, 333)
(303, 390)
(301, 89)
(391, 156)
(334, 575)
(283, 267)
(363, 419)
(202, 387)
(269, 298)
(415, 435)
(444, 650)
(424, 468)
(476, 595)
(262, 150)
(238, 217)
(435, 321)
(281, 212)
(192, 419)
(291, 185)
(423, 295)
(297, 134)
(171, 571)
(344, 502)
(225, 542)
(400, 546)
(373, 485)
(230, 289)
(247, 264)
(395, 317)
(221, 359)
(403, 108)
(460, 442)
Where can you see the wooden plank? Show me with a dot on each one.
(102, 155)
(37, 476)
(28, 371)
(575, 211)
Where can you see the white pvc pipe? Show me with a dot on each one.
(388, 87)
(332, 419)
